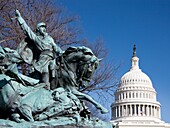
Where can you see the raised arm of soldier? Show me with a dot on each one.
(41, 38)
(27, 30)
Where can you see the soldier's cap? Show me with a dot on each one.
(41, 24)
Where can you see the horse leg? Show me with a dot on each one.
(91, 100)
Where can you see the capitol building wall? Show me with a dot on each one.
(136, 104)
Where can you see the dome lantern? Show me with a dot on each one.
(134, 60)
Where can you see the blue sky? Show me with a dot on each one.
(121, 23)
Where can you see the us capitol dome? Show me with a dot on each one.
(135, 102)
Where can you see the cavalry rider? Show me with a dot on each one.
(45, 44)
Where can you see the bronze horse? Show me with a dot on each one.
(76, 67)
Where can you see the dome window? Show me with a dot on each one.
(129, 95)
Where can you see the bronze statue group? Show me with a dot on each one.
(52, 88)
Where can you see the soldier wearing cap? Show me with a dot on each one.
(45, 44)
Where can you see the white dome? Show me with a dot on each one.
(136, 77)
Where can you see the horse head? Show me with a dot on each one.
(80, 65)
(87, 66)
(86, 69)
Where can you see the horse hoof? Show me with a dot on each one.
(104, 111)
